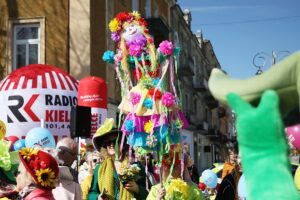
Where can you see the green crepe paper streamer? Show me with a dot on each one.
(264, 148)
(176, 50)
(283, 77)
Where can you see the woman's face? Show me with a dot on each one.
(131, 31)
(110, 144)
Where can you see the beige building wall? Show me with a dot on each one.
(55, 16)
(80, 38)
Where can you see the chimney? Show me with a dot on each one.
(187, 17)
(199, 37)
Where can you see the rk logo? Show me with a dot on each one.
(15, 109)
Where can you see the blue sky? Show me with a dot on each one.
(239, 29)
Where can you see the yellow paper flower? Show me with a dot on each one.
(113, 25)
(46, 177)
(27, 152)
(178, 187)
(148, 127)
(136, 14)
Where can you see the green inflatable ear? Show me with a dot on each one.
(264, 148)
(284, 78)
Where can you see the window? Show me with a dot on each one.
(26, 45)
(148, 9)
(26, 42)
(135, 5)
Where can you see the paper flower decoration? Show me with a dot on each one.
(148, 127)
(108, 56)
(151, 141)
(129, 125)
(148, 103)
(113, 25)
(168, 99)
(46, 177)
(139, 40)
(115, 36)
(166, 47)
(177, 189)
(157, 95)
(135, 50)
(135, 98)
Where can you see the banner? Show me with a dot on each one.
(37, 92)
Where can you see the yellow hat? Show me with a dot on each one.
(105, 130)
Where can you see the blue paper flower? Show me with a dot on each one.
(129, 126)
(148, 103)
(108, 56)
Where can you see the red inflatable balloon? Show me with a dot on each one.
(293, 134)
(13, 139)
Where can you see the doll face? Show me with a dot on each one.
(131, 31)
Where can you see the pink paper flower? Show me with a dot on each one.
(135, 50)
(135, 98)
(168, 99)
(166, 47)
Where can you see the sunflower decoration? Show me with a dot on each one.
(177, 189)
(148, 127)
(26, 153)
(46, 177)
(41, 165)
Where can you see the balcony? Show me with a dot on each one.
(200, 84)
(159, 29)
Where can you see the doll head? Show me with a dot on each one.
(132, 34)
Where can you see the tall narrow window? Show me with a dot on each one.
(26, 44)
(148, 9)
(135, 5)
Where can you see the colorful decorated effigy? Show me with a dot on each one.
(153, 117)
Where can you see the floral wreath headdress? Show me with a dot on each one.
(122, 19)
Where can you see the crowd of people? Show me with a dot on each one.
(46, 173)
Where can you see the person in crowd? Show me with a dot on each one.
(37, 175)
(230, 161)
(151, 171)
(228, 187)
(68, 154)
(66, 189)
(162, 190)
(105, 184)
(92, 159)
(192, 169)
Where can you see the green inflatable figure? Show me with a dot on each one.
(264, 148)
(283, 77)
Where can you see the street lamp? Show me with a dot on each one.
(261, 59)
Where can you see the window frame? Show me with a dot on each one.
(10, 61)
(26, 42)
